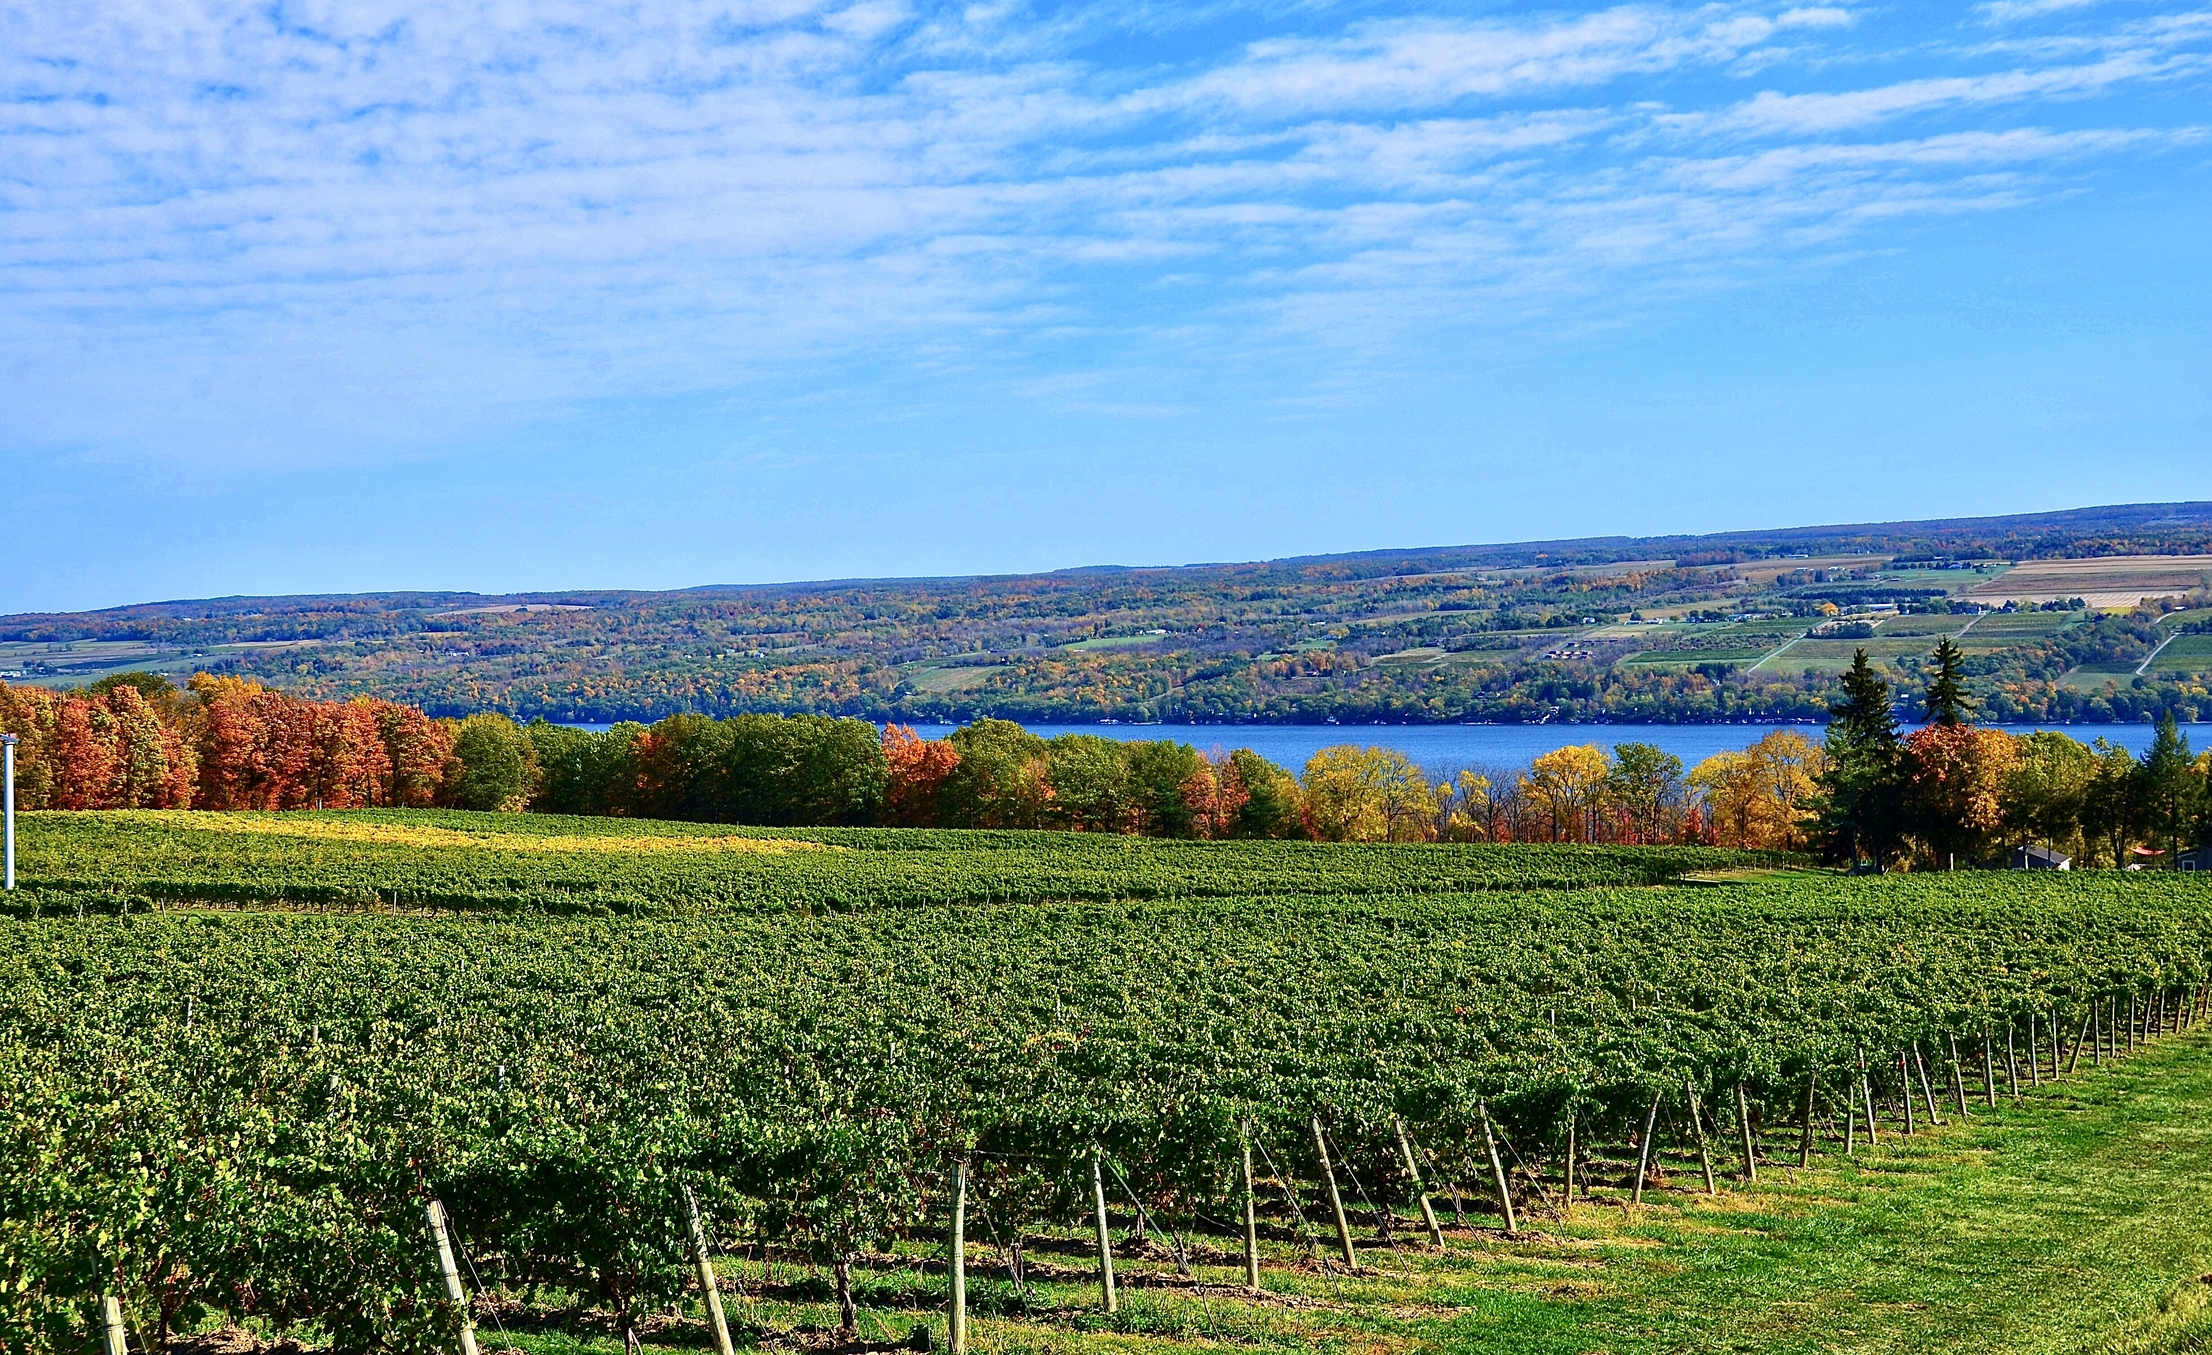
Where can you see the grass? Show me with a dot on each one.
(2072, 1222)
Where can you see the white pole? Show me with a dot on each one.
(7, 757)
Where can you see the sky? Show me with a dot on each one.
(500, 295)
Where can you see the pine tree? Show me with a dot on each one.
(2170, 789)
(1859, 814)
(1947, 699)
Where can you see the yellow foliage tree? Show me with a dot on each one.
(1759, 798)
(1569, 785)
(1367, 795)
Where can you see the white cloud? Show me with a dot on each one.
(357, 224)
(1771, 111)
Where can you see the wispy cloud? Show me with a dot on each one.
(358, 224)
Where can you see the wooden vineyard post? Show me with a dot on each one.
(1643, 1150)
(1927, 1094)
(2012, 1065)
(1743, 1125)
(1989, 1068)
(1567, 1175)
(1420, 1188)
(1866, 1095)
(1105, 1238)
(2035, 1062)
(1805, 1124)
(111, 1319)
(452, 1274)
(956, 1335)
(1904, 1075)
(2058, 1042)
(1497, 1171)
(2081, 1037)
(1958, 1074)
(2096, 1032)
(1697, 1128)
(1850, 1122)
(1336, 1199)
(1251, 1216)
(710, 1293)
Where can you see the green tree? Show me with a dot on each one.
(1646, 782)
(2047, 793)
(582, 772)
(495, 766)
(2170, 788)
(1858, 818)
(1090, 783)
(2112, 811)
(1947, 699)
(1158, 771)
(800, 770)
(1273, 801)
(1003, 780)
(680, 769)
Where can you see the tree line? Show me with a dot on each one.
(1868, 795)
(1951, 793)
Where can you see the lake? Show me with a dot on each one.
(1441, 749)
(1446, 748)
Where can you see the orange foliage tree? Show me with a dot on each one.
(919, 769)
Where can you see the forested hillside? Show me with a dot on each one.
(2100, 618)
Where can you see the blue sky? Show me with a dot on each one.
(318, 296)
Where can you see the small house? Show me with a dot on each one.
(2035, 856)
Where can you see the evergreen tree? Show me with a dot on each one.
(1947, 699)
(2170, 787)
(1860, 812)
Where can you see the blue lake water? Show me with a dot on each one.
(1446, 748)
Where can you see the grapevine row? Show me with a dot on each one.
(246, 1113)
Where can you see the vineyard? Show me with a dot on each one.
(403, 859)
(232, 1114)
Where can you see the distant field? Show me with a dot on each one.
(2095, 677)
(2111, 581)
(1649, 658)
(2185, 654)
(951, 679)
(2017, 625)
(1930, 626)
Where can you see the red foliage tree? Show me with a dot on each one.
(919, 769)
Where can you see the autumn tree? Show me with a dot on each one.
(2047, 793)
(1569, 784)
(1762, 797)
(918, 769)
(1357, 794)
(1955, 777)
